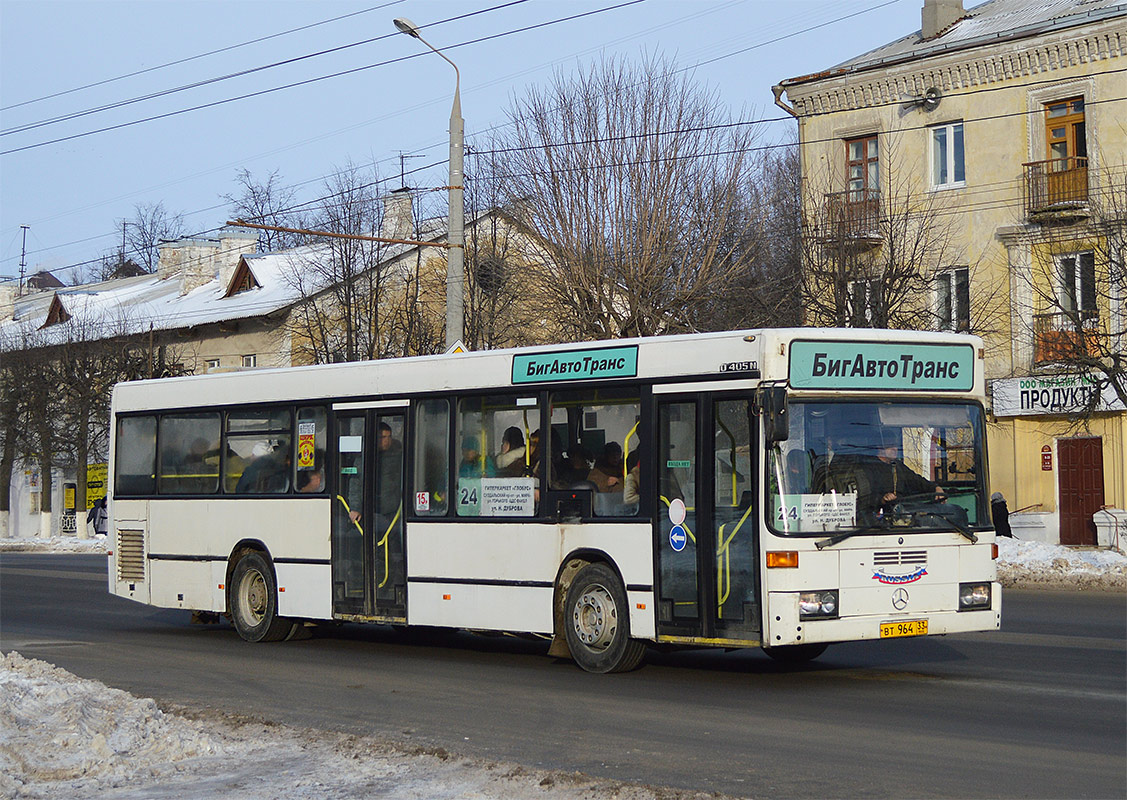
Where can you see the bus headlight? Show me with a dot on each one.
(974, 596)
(818, 605)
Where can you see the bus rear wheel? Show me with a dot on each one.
(597, 622)
(254, 600)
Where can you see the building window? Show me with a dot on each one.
(1064, 132)
(1076, 290)
(952, 300)
(866, 304)
(250, 361)
(863, 168)
(947, 169)
(212, 363)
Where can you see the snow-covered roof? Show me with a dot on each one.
(149, 302)
(993, 21)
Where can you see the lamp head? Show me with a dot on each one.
(407, 26)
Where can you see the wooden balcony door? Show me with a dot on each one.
(1067, 151)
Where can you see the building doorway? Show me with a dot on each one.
(1081, 471)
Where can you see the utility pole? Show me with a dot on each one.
(23, 258)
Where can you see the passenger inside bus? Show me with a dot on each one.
(607, 474)
(312, 481)
(474, 463)
(511, 460)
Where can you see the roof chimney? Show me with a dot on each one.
(398, 217)
(938, 16)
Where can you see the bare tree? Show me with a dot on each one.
(344, 313)
(768, 234)
(502, 298)
(630, 178)
(267, 202)
(892, 258)
(151, 224)
(1074, 295)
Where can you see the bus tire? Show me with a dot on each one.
(796, 653)
(254, 600)
(597, 622)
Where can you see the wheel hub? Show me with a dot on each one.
(253, 592)
(595, 618)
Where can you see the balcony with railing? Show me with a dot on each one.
(1057, 339)
(1056, 188)
(850, 219)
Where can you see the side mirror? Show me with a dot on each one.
(772, 402)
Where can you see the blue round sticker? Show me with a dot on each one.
(677, 538)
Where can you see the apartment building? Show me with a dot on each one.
(972, 176)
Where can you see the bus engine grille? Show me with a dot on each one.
(884, 558)
(130, 555)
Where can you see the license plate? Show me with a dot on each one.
(908, 627)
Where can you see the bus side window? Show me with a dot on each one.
(312, 433)
(432, 458)
(189, 454)
(136, 456)
(259, 453)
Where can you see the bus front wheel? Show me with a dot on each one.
(597, 622)
(254, 600)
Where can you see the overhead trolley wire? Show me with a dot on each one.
(239, 73)
(199, 56)
(321, 77)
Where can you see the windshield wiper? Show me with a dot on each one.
(841, 537)
(962, 529)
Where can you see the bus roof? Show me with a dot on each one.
(747, 356)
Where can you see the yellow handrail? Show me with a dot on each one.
(387, 550)
(732, 452)
(348, 511)
(626, 450)
(724, 564)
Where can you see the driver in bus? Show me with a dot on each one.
(890, 480)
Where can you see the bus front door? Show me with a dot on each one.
(369, 570)
(706, 519)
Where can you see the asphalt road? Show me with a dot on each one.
(1036, 710)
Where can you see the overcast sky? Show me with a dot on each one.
(73, 193)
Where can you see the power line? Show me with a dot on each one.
(199, 56)
(838, 19)
(308, 81)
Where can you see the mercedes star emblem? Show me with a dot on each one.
(900, 599)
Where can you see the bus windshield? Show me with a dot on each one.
(878, 465)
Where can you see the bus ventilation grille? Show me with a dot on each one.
(895, 557)
(130, 556)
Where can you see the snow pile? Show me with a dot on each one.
(62, 736)
(1024, 564)
(58, 728)
(56, 544)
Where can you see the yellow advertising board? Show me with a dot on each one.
(96, 475)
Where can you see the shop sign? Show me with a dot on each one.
(1051, 394)
(1046, 459)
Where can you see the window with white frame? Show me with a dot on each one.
(947, 167)
(952, 299)
(250, 361)
(865, 303)
(212, 363)
(1076, 290)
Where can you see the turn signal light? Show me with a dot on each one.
(994, 551)
(782, 559)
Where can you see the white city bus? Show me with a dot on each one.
(782, 489)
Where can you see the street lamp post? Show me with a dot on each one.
(455, 258)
